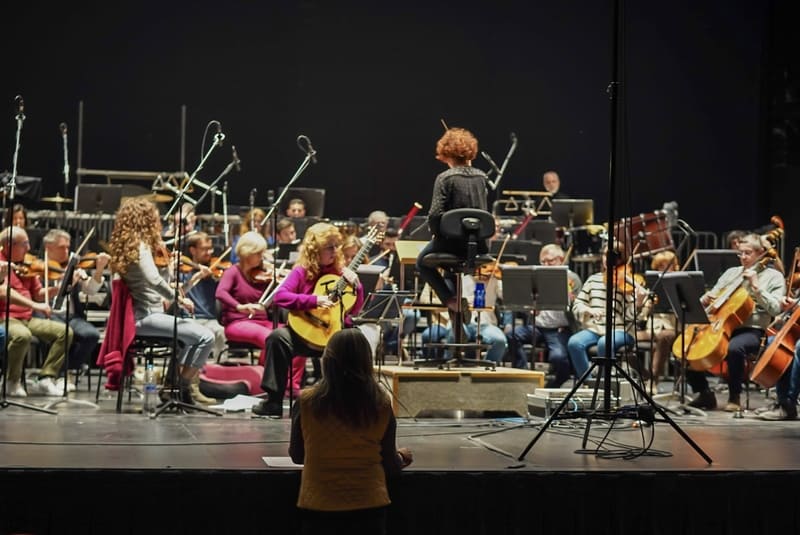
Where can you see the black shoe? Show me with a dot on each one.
(186, 396)
(271, 409)
(704, 400)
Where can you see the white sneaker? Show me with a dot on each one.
(46, 387)
(60, 385)
(15, 390)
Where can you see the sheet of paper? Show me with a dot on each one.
(238, 403)
(280, 462)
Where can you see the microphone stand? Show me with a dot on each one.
(66, 159)
(502, 169)
(310, 154)
(225, 226)
(11, 188)
(174, 403)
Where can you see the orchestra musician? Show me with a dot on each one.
(251, 221)
(202, 282)
(552, 184)
(85, 335)
(589, 310)
(767, 288)
(240, 292)
(134, 245)
(320, 261)
(460, 186)
(23, 324)
(296, 208)
(553, 326)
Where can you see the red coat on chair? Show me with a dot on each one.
(119, 335)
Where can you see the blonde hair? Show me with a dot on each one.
(250, 242)
(137, 221)
(316, 238)
(663, 259)
(257, 214)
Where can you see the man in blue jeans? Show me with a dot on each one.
(589, 309)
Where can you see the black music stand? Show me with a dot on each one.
(534, 288)
(382, 307)
(684, 290)
(681, 290)
(64, 292)
(570, 213)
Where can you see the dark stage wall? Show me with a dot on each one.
(368, 82)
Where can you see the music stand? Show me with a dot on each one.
(570, 213)
(63, 292)
(382, 307)
(684, 290)
(369, 274)
(528, 250)
(714, 262)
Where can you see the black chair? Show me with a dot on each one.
(467, 229)
(143, 348)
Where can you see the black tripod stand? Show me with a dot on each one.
(608, 361)
(173, 403)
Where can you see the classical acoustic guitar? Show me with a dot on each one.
(316, 326)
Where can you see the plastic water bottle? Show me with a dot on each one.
(150, 390)
(480, 296)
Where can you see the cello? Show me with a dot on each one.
(778, 355)
(706, 345)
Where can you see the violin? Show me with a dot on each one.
(35, 267)
(87, 261)
(161, 256)
(624, 280)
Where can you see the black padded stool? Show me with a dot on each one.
(463, 233)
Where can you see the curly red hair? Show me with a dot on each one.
(137, 221)
(458, 145)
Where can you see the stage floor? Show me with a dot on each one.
(80, 437)
(92, 470)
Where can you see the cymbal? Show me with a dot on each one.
(58, 199)
(155, 197)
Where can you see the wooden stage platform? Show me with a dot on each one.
(431, 391)
(93, 471)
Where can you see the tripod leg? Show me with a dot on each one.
(663, 414)
(556, 412)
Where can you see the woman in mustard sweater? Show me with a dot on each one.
(343, 432)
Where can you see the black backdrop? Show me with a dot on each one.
(368, 82)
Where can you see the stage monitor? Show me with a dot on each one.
(714, 262)
(570, 213)
(313, 197)
(525, 252)
(98, 198)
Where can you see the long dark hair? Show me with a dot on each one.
(348, 389)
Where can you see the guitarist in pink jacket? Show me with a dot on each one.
(321, 295)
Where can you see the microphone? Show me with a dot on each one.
(252, 197)
(236, 162)
(219, 136)
(308, 149)
(63, 127)
(271, 197)
(312, 152)
(20, 106)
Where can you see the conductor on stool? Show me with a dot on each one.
(460, 186)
